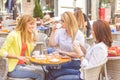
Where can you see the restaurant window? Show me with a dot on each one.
(48, 6)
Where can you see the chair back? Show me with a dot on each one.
(4, 71)
(113, 68)
(92, 73)
(42, 37)
(1, 41)
(3, 68)
(3, 63)
(41, 41)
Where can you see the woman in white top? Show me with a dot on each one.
(98, 52)
(64, 39)
(94, 55)
(65, 36)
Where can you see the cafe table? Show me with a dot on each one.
(4, 33)
(113, 68)
(50, 59)
(113, 63)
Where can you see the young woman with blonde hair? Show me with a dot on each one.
(64, 39)
(18, 47)
(96, 54)
(67, 34)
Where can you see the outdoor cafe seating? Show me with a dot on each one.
(113, 66)
(89, 73)
(4, 66)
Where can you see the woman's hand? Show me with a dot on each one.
(23, 58)
(77, 49)
(54, 27)
(62, 52)
(52, 35)
(35, 33)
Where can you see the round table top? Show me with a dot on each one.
(49, 60)
(4, 31)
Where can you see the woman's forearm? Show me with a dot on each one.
(12, 56)
(71, 54)
(51, 39)
(83, 49)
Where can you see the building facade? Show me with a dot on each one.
(93, 8)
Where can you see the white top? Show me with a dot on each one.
(65, 42)
(95, 55)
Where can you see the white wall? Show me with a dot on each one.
(68, 5)
(27, 7)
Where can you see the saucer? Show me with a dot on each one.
(54, 60)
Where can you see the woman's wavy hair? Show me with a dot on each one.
(102, 32)
(22, 27)
(80, 17)
(71, 23)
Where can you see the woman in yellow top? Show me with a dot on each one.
(18, 47)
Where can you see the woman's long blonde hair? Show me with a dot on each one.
(80, 19)
(71, 23)
(26, 36)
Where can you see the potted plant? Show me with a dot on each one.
(37, 10)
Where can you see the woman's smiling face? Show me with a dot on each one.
(30, 26)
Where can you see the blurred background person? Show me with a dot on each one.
(47, 20)
(83, 21)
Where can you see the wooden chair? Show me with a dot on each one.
(113, 68)
(89, 73)
(3, 63)
(92, 73)
(41, 42)
(2, 39)
(4, 71)
(3, 68)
